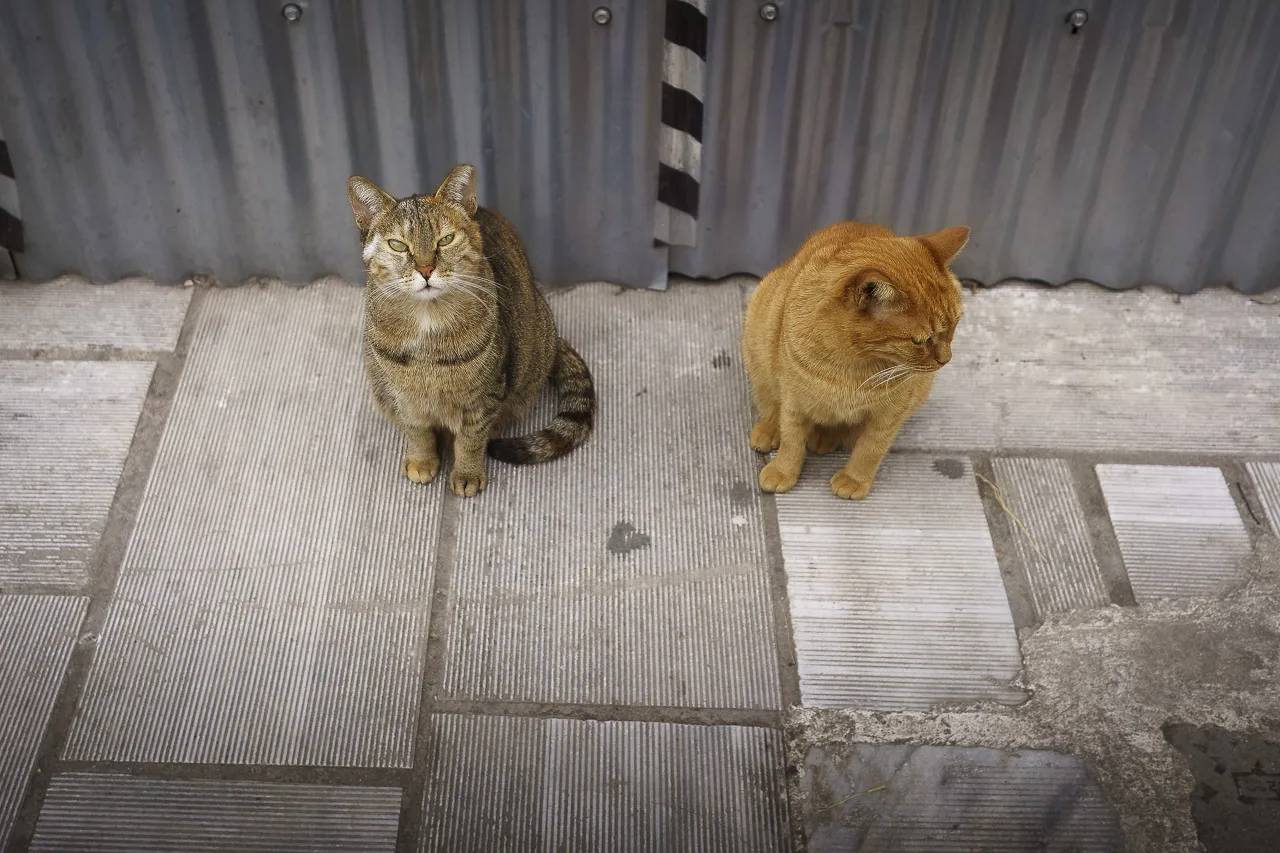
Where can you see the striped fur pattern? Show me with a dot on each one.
(458, 341)
(842, 343)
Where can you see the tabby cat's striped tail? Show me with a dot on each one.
(572, 423)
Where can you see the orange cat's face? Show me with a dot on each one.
(896, 298)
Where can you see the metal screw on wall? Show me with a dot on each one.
(602, 15)
(1076, 19)
(769, 11)
(292, 12)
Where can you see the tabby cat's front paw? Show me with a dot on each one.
(764, 436)
(467, 484)
(845, 486)
(421, 470)
(774, 479)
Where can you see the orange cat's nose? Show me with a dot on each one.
(942, 352)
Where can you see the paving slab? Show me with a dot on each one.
(1081, 368)
(1236, 801)
(1266, 478)
(65, 431)
(134, 314)
(37, 634)
(116, 813)
(928, 799)
(634, 570)
(523, 784)
(273, 601)
(897, 601)
(1050, 535)
(1178, 529)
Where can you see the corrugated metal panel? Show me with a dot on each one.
(1144, 149)
(214, 136)
(168, 138)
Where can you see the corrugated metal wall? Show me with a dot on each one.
(1146, 148)
(166, 138)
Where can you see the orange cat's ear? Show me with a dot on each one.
(870, 296)
(946, 244)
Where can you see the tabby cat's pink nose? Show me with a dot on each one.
(426, 271)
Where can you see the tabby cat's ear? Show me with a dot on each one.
(460, 188)
(946, 244)
(367, 201)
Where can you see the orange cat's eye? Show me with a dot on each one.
(919, 341)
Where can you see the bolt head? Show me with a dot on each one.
(1078, 18)
(602, 15)
(292, 12)
(769, 11)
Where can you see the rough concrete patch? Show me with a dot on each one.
(1236, 803)
(1105, 682)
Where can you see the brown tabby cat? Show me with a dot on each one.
(842, 342)
(457, 338)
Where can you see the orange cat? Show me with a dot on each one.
(841, 344)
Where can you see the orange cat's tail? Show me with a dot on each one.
(574, 418)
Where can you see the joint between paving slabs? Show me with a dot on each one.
(104, 566)
(788, 667)
(1003, 530)
(435, 654)
(1102, 534)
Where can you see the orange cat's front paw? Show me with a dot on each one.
(774, 479)
(764, 436)
(421, 470)
(844, 486)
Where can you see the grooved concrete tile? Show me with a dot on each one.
(1062, 572)
(37, 633)
(112, 813)
(937, 799)
(273, 602)
(1266, 477)
(523, 784)
(65, 432)
(1081, 368)
(1178, 529)
(634, 570)
(131, 314)
(897, 601)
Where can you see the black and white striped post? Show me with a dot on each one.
(684, 57)
(10, 223)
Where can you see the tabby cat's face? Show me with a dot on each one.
(422, 247)
(902, 302)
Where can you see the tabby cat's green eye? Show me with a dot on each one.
(445, 240)
(397, 245)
